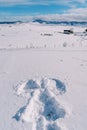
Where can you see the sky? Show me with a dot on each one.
(51, 9)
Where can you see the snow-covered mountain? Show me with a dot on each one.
(56, 22)
(52, 22)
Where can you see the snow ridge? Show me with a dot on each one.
(42, 108)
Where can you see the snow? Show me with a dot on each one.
(42, 108)
(26, 35)
(40, 77)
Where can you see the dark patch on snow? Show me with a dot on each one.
(60, 85)
(53, 127)
(31, 84)
(40, 124)
(52, 110)
(18, 114)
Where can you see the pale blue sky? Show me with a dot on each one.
(15, 8)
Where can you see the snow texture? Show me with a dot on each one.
(29, 50)
(42, 108)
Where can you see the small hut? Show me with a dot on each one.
(85, 30)
(68, 31)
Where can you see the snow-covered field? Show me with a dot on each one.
(43, 83)
(37, 36)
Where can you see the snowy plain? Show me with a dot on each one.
(31, 58)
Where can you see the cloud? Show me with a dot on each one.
(41, 2)
(79, 14)
(64, 17)
(81, 1)
(80, 11)
(50, 17)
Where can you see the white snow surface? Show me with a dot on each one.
(43, 78)
(32, 35)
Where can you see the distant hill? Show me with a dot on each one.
(53, 22)
(11, 22)
(60, 22)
